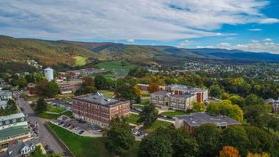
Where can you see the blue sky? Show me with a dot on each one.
(251, 25)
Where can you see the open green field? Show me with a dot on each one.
(80, 60)
(86, 146)
(173, 113)
(118, 68)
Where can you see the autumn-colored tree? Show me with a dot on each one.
(137, 90)
(258, 154)
(229, 151)
(153, 87)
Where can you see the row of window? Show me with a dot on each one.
(12, 121)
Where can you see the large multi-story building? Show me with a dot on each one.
(99, 110)
(12, 128)
(194, 120)
(69, 86)
(178, 97)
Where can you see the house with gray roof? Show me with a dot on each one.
(194, 120)
(22, 148)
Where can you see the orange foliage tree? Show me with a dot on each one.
(229, 151)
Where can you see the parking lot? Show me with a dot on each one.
(78, 127)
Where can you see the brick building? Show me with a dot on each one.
(99, 110)
(192, 121)
(178, 97)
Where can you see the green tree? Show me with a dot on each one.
(52, 89)
(183, 144)
(41, 106)
(257, 115)
(236, 136)
(208, 137)
(253, 99)
(87, 86)
(199, 107)
(259, 140)
(21, 82)
(215, 91)
(148, 115)
(47, 89)
(226, 108)
(156, 144)
(119, 136)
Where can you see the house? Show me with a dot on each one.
(13, 127)
(31, 88)
(178, 97)
(99, 110)
(22, 148)
(5, 95)
(274, 103)
(192, 121)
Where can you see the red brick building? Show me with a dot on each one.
(99, 110)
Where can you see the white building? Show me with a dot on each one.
(49, 74)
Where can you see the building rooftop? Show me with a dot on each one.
(12, 132)
(15, 148)
(166, 93)
(5, 93)
(200, 118)
(12, 116)
(97, 98)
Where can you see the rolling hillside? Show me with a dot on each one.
(45, 52)
(72, 53)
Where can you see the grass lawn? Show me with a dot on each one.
(158, 124)
(80, 60)
(145, 100)
(107, 93)
(86, 146)
(118, 68)
(138, 106)
(54, 112)
(133, 118)
(56, 109)
(173, 113)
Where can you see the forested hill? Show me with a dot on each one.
(78, 53)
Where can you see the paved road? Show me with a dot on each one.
(45, 136)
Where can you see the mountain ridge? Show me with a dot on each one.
(50, 52)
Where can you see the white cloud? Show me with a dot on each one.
(269, 21)
(266, 45)
(184, 44)
(255, 29)
(126, 19)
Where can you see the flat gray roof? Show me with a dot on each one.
(200, 118)
(97, 99)
(166, 93)
(12, 116)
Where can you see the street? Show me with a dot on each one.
(45, 136)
